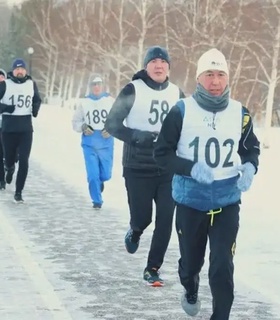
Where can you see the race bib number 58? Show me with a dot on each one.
(158, 111)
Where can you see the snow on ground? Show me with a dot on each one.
(257, 263)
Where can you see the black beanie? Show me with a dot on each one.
(156, 52)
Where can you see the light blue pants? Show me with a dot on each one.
(99, 165)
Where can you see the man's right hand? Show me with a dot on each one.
(87, 129)
(7, 108)
(144, 139)
(202, 173)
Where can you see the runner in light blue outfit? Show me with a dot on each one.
(97, 144)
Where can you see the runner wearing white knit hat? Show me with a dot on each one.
(212, 59)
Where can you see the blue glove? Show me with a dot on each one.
(247, 174)
(202, 173)
(87, 129)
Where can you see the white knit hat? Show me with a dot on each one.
(97, 79)
(212, 59)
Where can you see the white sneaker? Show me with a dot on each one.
(190, 304)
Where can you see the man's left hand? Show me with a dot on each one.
(105, 134)
(247, 175)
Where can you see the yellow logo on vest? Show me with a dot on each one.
(233, 248)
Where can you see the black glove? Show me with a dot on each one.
(7, 108)
(87, 129)
(144, 139)
(35, 112)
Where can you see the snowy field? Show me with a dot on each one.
(59, 228)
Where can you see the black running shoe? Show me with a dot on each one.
(9, 174)
(131, 240)
(2, 185)
(97, 206)
(152, 277)
(18, 197)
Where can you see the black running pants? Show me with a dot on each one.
(2, 171)
(194, 228)
(142, 192)
(13, 143)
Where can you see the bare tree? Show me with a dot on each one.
(74, 39)
(39, 14)
(266, 51)
(274, 74)
(197, 26)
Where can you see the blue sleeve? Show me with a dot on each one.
(181, 105)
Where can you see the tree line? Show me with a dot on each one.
(74, 39)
